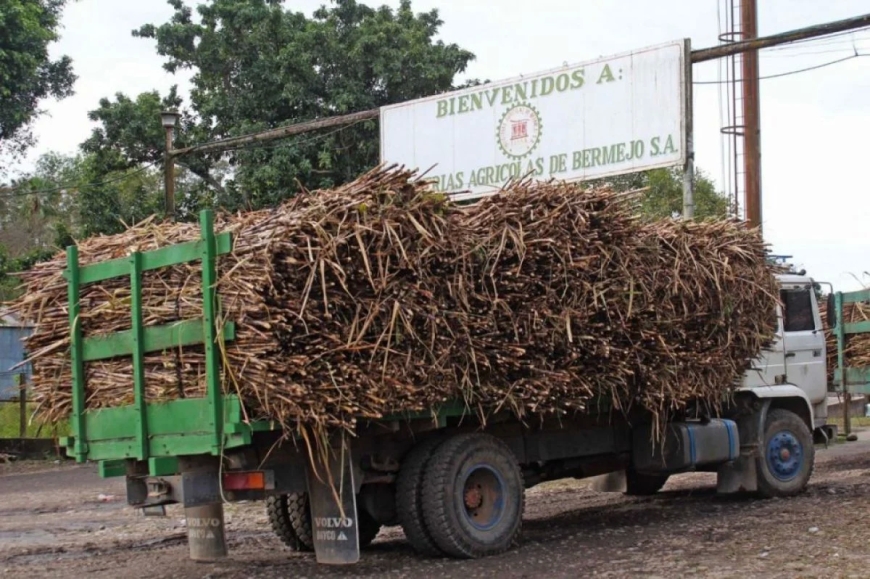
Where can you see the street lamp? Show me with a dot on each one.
(168, 119)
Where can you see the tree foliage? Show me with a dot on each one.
(664, 195)
(257, 65)
(27, 73)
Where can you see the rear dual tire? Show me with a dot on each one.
(463, 497)
(290, 518)
(409, 497)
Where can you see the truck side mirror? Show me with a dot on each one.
(830, 311)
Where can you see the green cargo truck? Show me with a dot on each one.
(455, 486)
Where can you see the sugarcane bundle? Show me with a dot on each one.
(383, 296)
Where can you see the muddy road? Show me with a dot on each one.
(64, 521)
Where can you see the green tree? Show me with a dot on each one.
(27, 73)
(256, 66)
(37, 217)
(664, 197)
(39, 212)
(68, 197)
(111, 200)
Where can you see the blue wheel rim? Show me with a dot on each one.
(785, 455)
(483, 497)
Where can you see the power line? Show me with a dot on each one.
(826, 29)
(22, 191)
(791, 72)
(849, 48)
(836, 38)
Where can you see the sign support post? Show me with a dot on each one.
(688, 114)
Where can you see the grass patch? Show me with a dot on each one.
(10, 423)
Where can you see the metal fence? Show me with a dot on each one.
(11, 354)
(15, 408)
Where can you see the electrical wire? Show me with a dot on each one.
(819, 40)
(23, 191)
(850, 48)
(791, 72)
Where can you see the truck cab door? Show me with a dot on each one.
(769, 368)
(804, 341)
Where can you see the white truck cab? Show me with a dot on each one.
(776, 413)
(795, 367)
(781, 405)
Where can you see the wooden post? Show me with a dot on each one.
(751, 117)
(22, 406)
(847, 412)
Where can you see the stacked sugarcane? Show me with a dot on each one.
(383, 296)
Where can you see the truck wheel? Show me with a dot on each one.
(409, 504)
(787, 455)
(638, 484)
(473, 496)
(278, 510)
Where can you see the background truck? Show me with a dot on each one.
(454, 485)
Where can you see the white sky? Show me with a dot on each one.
(815, 124)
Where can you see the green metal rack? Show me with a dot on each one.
(848, 378)
(157, 433)
(152, 431)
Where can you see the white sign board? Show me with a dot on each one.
(608, 116)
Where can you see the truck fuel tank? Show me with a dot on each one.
(685, 446)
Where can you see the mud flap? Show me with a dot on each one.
(334, 523)
(737, 476)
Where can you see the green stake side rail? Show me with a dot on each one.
(143, 431)
(158, 433)
(847, 378)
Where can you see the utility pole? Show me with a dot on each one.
(168, 120)
(751, 116)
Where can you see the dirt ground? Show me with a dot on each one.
(58, 520)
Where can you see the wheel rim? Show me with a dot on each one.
(785, 455)
(483, 497)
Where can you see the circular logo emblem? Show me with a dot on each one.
(519, 131)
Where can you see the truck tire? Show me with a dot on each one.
(299, 513)
(638, 484)
(473, 496)
(409, 503)
(278, 512)
(290, 517)
(787, 455)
